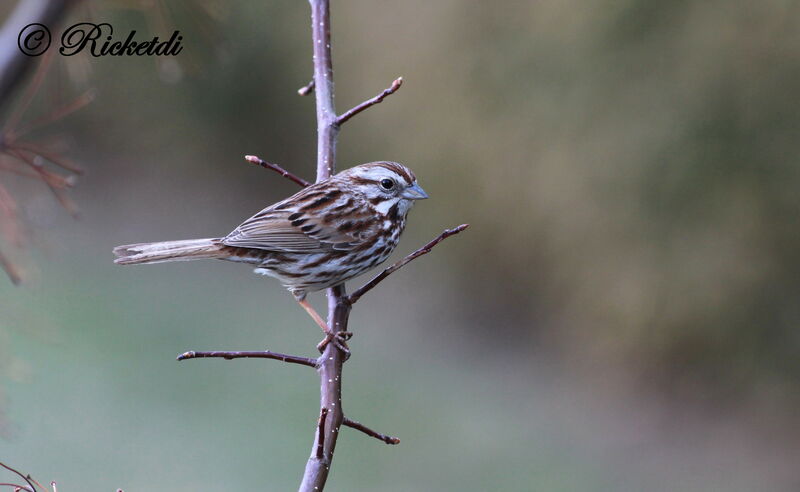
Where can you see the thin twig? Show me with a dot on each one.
(291, 359)
(24, 477)
(9, 211)
(278, 169)
(355, 296)
(11, 270)
(366, 430)
(46, 154)
(371, 102)
(54, 179)
(63, 199)
(30, 91)
(10, 168)
(15, 485)
(58, 113)
(36, 482)
(306, 89)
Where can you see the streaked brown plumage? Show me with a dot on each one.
(319, 237)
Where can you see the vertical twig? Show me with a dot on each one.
(330, 366)
(327, 127)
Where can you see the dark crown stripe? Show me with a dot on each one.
(397, 168)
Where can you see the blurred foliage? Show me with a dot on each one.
(629, 282)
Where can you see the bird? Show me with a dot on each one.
(320, 237)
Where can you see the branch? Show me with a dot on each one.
(278, 169)
(306, 89)
(291, 359)
(24, 477)
(330, 369)
(50, 156)
(355, 296)
(327, 128)
(63, 199)
(366, 430)
(330, 373)
(15, 485)
(57, 114)
(370, 102)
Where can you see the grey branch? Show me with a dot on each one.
(330, 363)
(355, 296)
(278, 169)
(266, 354)
(366, 430)
(371, 102)
(330, 369)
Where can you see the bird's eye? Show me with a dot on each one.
(387, 184)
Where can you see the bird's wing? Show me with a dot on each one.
(311, 224)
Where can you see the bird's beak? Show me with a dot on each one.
(414, 193)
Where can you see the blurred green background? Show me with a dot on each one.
(622, 314)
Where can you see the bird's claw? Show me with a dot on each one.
(339, 340)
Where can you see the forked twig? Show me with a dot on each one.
(27, 478)
(370, 102)
(15, 485)
(32, 482)
(355, 296)
(278, 169)
(46, 154)
(291, 359)
(366, 430)
(47, 179)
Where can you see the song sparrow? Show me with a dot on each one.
(320, 237)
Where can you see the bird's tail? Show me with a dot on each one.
(189, 249)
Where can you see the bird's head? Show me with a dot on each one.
(389, 186)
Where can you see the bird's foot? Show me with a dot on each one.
(339, 340)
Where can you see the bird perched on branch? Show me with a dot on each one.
(320, 237)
